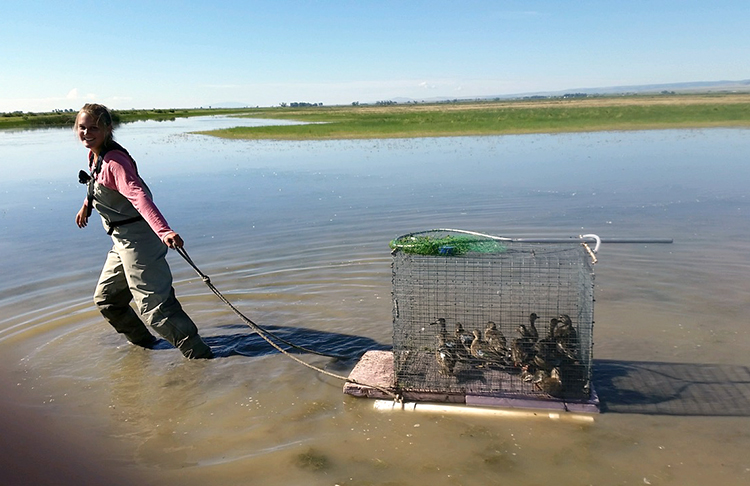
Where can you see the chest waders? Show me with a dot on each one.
(136, 270)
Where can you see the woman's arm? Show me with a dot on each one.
(120, 175)
(82, 218)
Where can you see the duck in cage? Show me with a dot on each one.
(551, 363)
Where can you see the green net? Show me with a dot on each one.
(446, 245)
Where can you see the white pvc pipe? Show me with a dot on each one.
(595, 237)
(390, 405)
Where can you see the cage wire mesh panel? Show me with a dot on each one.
(506, 319)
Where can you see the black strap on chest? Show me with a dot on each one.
(90, 179)
(114, 224)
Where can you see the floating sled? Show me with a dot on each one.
(487, 325)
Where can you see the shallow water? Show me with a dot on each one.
(296, 235)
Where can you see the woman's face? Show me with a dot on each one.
(91, 135)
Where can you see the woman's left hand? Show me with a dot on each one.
(173, 240)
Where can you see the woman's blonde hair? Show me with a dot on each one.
(103, 118)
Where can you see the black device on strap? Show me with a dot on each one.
(85, 178)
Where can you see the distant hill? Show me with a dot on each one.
(691, 87)
(230, 104)
(701, 86)
(681, 88)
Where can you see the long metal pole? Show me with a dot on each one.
(570, 239)
(585, 238)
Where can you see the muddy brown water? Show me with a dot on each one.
(296, 235)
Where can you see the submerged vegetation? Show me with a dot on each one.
(456, 118)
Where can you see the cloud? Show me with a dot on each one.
(74, 95)
(72, 100)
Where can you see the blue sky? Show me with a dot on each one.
(181, 54)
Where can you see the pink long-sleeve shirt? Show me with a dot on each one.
(119, 174)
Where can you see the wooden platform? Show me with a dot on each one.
(376, 368)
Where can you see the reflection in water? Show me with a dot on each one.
(295, 234)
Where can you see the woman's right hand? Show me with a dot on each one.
(82, 218)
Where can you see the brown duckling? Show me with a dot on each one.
(482, 351)
(567, 338)
(463, 341)
(545, 351)
(495, 338)
(532, 331)
(446, 356)
(522, 348)
(549, 382)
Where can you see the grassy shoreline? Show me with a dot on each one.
(496, 118)
(18, 120)
(547, 115)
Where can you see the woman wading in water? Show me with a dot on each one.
(136, 267)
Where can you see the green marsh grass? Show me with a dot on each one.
(491, 118)
(548, 115)
(67, 118)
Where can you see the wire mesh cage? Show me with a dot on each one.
(475, 315)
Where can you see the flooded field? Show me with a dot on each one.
(295, 234)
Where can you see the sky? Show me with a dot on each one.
(184, 54)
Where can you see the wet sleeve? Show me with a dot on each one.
(125, 180)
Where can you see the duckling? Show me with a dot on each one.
(482, 351)
(445, 356)
(521, 349)
(567, 338)
(550, 383)
(497, 342)
(533, 333)
(564, 329)
(524, 332)
(546, 358)
(527, 374)
(546, 354)
(495, 338)
(564, 320)
(518, 353)
(442, 331)
(569, 350)
(539, 375)
(552, 333)
(463, 342)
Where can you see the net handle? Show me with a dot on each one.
(595, 237)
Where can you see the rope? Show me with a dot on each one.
(264, 333)
(253, 325)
